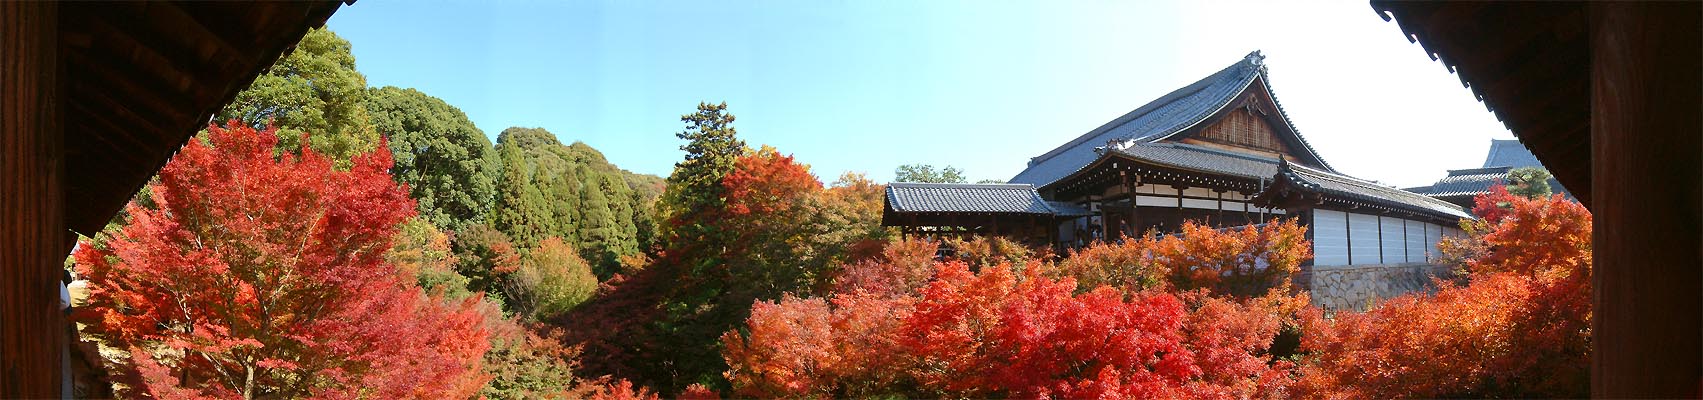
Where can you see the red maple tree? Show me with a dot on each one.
(999, 332)
(260, 275)
(1519, 328)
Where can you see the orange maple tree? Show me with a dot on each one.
(259, 275)
(1005, 331)
(1244, 262)
(1519, 328)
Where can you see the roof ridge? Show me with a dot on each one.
(1253, 59)
(1484, 170)
(962, 185)
(1266, 75)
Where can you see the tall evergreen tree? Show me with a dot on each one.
(694, 188)
(313, 89)
(621, 205)
(1529, 182)
(520, 210)
(597, 229)
(563, 193)
(602, 226)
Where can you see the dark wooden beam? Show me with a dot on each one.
(32, 228)
(1647, 235)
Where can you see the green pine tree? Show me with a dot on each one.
(712, 146)
(521, 211)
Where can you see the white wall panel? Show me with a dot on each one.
(1330, 238)
(1415, 241)
(1433, 233)
(1155, 201)
(1363, 238)
(1394, 240)
(1236, 206)
(1196, 203)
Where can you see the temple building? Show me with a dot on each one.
(1219, 151)
(1462, 185)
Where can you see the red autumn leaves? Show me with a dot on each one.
(247, 273)
(1184, 318)
(252, 274)
(1008, 331)
(1519, 327)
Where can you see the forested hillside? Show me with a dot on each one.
(548, 189)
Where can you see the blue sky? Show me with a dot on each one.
(869, 85)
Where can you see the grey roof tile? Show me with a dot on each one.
(960, 197)
(1064, 209)
(1165, 115)
(1343, 185)
(1465, 182)
(1510, 153)
(1204, 159)
(1169, 114)
(1504, 155)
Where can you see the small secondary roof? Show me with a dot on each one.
(966, 198)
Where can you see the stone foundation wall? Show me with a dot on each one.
(1357, 287)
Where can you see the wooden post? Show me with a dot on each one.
(1105, 223)
(1179, 206)
(1381, 240)
(1247, 203)
(1347, 233)
(33, 235)
(1405, 253)
(1645, 144)
(1220, 207)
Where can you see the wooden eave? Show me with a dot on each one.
(1528, 62)
(140, 78)
(1288, 192)
(1104, 171)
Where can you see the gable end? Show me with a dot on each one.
(1251, 124)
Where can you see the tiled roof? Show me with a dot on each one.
(1167, 115)
(1203, 159)
(1359, 189)
(968, 198)
(1464, 182)
(1505, 155)
(1064, 209)
(1510, 153)
(1243, 165)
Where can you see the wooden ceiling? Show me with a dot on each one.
(1527, 61)
(138, 79)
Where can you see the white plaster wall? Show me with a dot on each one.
(1330, 238)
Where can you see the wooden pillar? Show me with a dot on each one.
(1105, 223)
(32, 218)
(1645, 169)
(1220, 207)
(1134, 206)
(1348, 232)
(1247, 203)
(1179, 206)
